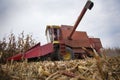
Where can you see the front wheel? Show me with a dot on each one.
(69, 54)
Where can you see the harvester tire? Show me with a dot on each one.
(69, 54)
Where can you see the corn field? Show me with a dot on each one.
(96, 68)
(14, 45)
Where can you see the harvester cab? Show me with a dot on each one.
(53, 34)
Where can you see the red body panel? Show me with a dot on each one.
(16, 57)
(79, 38)
(35, 51)
(96, 43)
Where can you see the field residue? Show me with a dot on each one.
(86, 69)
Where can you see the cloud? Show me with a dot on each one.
(32, 16)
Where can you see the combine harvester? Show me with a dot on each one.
(64, 43)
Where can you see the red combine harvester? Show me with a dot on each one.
(64, 43)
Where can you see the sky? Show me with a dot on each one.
(32, 16)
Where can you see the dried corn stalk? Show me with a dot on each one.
(61, 70)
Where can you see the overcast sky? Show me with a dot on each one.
(32, 16)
